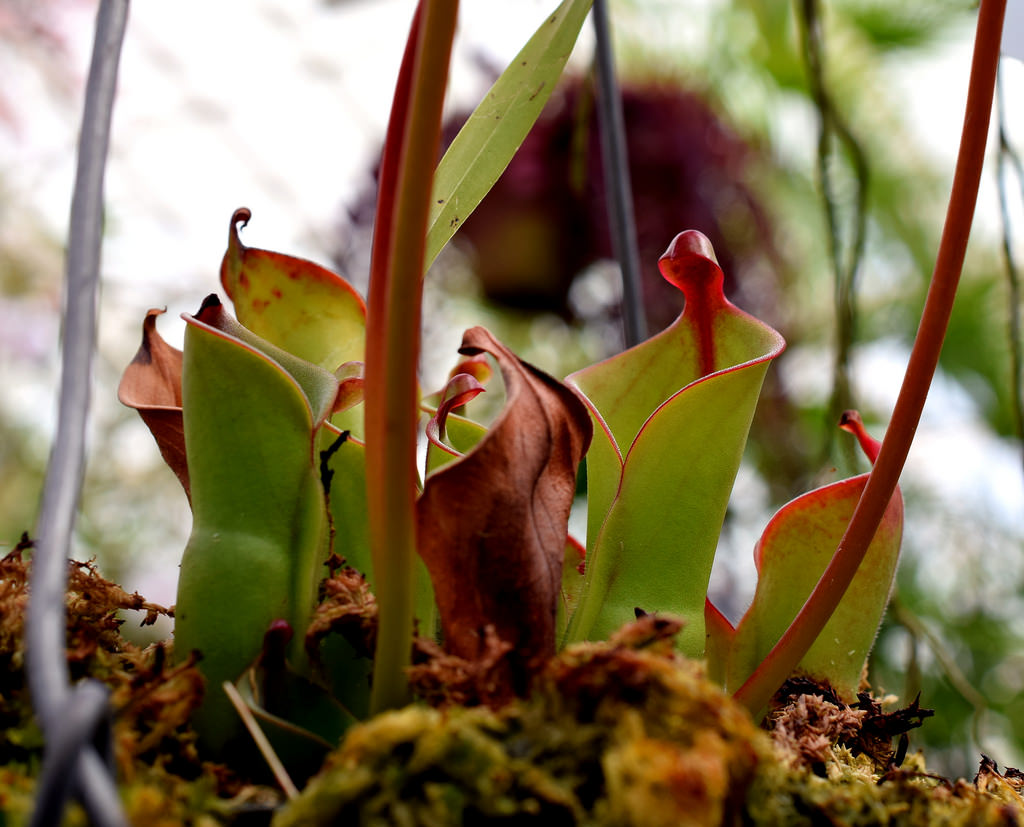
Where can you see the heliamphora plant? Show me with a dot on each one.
(294, 430)
(666, 424)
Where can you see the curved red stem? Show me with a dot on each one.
(924, 357)
(393, 336)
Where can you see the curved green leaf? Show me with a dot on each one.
(450, 434)
(461, 435)
(486, 143)
(442, 448)
(346, 463)
(344, 460)
(719, 633)
(791, 555)
(300, 719)
(573, 568)
(297, 305)
(672, 417)
(259, 518)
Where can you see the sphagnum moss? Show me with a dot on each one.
(612, 734)
(162, 779)
(626, 733)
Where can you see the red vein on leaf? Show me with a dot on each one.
(689, 263)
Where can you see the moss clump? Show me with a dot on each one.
(853, 794)
(628, 733)
(614, 733)
(618, 733)
(832, 765)
(163, 781)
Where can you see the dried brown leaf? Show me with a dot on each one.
(493, 524)
(151, 384)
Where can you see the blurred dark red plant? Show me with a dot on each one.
(545, 221)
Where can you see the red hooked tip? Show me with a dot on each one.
(239, 219)
(851, 422)
(212, 300)
(240, 216)
(476, 366)
(689, 262)
(210, 312)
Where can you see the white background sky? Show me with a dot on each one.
(276, 106)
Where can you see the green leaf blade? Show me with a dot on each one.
(259, 518)
(672, 418)
(793, 551)
(657, 541)
(297, 305)
(485, 145)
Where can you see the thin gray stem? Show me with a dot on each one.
(1008, 158)
(833, 128)
(617, 181)
(46, 622)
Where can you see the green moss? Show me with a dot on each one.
(162, 780)
(611, 735)
(852, 794)
(833, 765)
(616, 736)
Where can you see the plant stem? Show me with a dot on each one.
(393, 338)
(833, 129)
(924, 357)
(617, 180)
(71, 764)
(1009, 159)
(918, 630)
